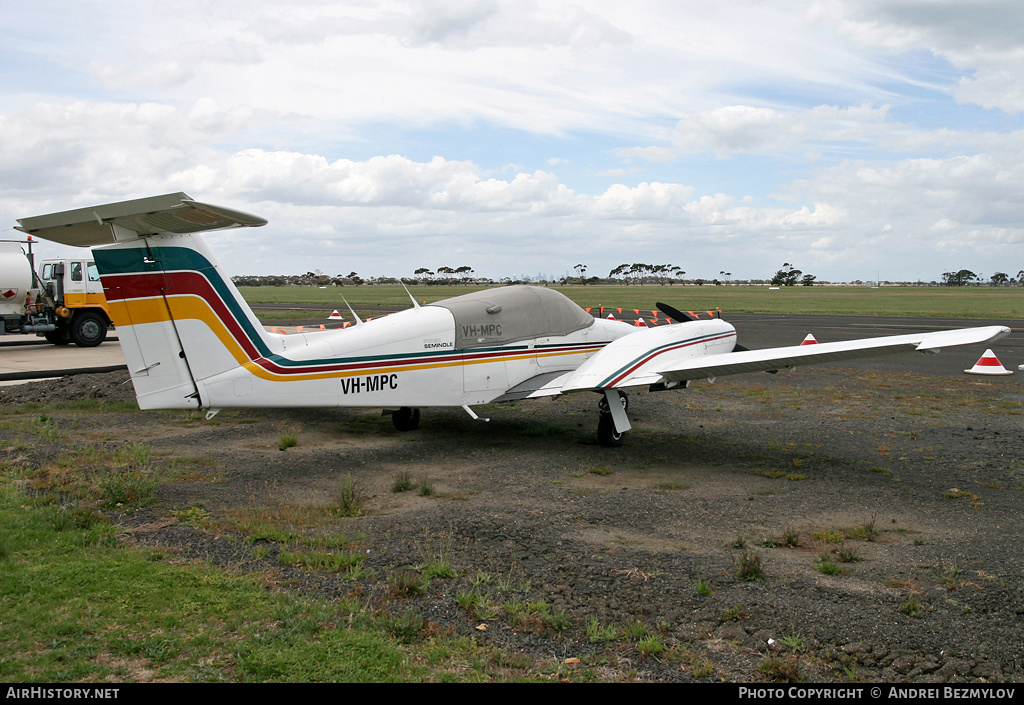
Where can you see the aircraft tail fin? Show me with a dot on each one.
(179, 319)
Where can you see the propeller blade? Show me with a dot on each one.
(674, 313)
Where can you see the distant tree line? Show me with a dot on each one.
(791, 276)
(966, 277)
(444, 276)
(636, 274)
(640, 273)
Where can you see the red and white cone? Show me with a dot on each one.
(640, 323)
(809, 340)
(988, 364)
(335, 316)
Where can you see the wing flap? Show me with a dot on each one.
(542, 385)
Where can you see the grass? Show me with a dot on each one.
(912, 607)
(402, 482)
(79, 605)
(651, 645)
(792, 642)
(828, 566)
(597, 632)
(436, 554)
(781, 669)
(89, 609)
(951, 302)
(323, 561)
(749, 566)
(349, 502)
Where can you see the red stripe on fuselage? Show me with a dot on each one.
(647, 358)
(124, 287)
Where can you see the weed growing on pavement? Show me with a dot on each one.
(749, 566)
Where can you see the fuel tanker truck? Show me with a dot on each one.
(62, 302)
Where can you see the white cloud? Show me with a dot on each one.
(744, 128)
(266, 106)
(979, 37)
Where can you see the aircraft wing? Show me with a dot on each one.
(632, 365)
(797, 355)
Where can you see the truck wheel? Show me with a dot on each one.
(56, 337)
(88, 330)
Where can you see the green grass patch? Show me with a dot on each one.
(77, 607)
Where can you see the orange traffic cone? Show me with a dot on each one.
(809, 340)
(988, 364)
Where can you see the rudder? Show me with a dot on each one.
(178, 319)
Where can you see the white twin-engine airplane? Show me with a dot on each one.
(191, 342)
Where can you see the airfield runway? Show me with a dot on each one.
(25, 357)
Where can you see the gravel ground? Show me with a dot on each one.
(917, 480)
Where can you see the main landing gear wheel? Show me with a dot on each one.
(405, 419)
(606, 433)
(602, 406)
(607, 436)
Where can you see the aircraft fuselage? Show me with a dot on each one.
(407, 359)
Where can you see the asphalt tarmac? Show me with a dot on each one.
(756, 330)
(26, 357)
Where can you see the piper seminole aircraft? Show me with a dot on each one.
(191, 341)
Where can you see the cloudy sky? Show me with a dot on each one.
(852, 138)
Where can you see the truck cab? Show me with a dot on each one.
(81, 307)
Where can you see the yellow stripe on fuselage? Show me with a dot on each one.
(189, 306)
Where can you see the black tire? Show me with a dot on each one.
(88, 329)
(406, 419)
(602, 405)
(56, 337)
(606, 433)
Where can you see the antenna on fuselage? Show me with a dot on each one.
(414, 304)
(353, 311)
